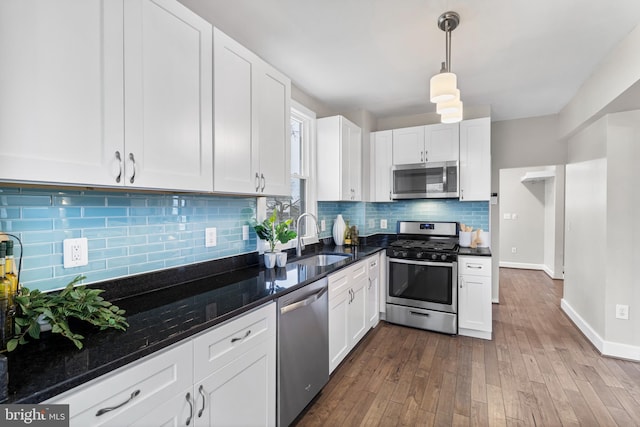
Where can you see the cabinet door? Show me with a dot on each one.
(274, 131)
(357, 321)
(346, 190)
(442, 142)
(62, 106)
(242, 393)
(474, 300)
(236, 160)
(352, 163)
(408, 145)
(177, 411)
(168, 96)
(381, 161)
(339, 342)
(373, 291)
(475, 159)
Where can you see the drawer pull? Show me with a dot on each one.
(201, 391)
(188, 397)
(415, 313)
(240, 339)
(105, 410)
(477, 267)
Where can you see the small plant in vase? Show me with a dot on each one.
(274, 232)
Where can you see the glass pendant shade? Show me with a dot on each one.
(443, 87)
(452, 117)
(450, 107)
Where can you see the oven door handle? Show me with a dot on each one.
(415, 262)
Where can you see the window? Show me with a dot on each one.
(302, 198)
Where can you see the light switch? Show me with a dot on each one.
(210, 237)
(383, 223)
(506, 216)
(245, 232)
(323, 225)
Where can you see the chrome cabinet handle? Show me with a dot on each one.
(133, 177)
(461, 283)
(477, 267)
(257, 182)
(111, 408)
(201, 391)
(188, 397)
(119, 159)
(240, 339)
(426, 155)
(422, 156)
(462, 193)
(369, 283)
(264, 182)
(390, 196)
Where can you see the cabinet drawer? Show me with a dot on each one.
(373, 263)
(476, 266)
(215, 349)
(358, 270)
(338, 282)
(143, 385)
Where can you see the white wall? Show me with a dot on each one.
(526, 232)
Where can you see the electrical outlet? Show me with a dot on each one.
(372, 223)
(323, 225)
(514, 250)
(514, 216)
(210, 237)
(76, 252)
(245, 232)
(622, 311)
(383, 223)
(506, 216)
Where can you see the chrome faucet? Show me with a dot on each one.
(300, 245)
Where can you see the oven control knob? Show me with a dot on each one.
(419, 255)
(443, 257)
(434, 256)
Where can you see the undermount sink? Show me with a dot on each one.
(323, 260)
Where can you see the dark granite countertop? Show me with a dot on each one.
(475, 251)
(160, 314)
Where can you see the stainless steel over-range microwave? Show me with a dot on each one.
(425, 180)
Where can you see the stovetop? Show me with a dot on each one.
(428, 245)
(425, 240)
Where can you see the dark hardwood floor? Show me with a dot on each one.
(537, 371)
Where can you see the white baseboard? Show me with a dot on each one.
(607, 348)
(474, 334)
(547, 270)
(522, 265)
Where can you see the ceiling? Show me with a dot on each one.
(522, 58)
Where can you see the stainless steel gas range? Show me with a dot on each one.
(422, 283)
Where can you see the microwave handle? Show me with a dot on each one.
(444, 178)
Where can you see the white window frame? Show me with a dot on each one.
(308, 119)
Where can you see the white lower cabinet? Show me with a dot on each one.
(373, 290)
(474, 296)
(225, 376)
(348, 314)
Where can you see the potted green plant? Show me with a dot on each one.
(58, 308)
(273, 232)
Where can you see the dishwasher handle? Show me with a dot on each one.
(305, 302)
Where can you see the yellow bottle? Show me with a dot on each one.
(6, 320)
(10, 270)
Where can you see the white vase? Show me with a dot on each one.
(281, 259)
(270, 259)
(338, 230)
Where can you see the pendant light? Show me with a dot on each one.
(443, 86)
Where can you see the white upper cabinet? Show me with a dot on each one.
(475, 159)
(381, 162)
(339, 156)
(106, 93)
(430, 143)
(168, 96)
(252, 126)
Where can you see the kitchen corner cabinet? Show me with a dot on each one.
(339, 157)
(252, 122)
(112, 93)
(224, 376)
(381, 162)
(474, 296)
(475, 159)
(430, 143)
(347, 311)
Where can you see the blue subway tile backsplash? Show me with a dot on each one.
(367, 215)
(128, 233)
(131, 233)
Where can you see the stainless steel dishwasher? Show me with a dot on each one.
(303, 348)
